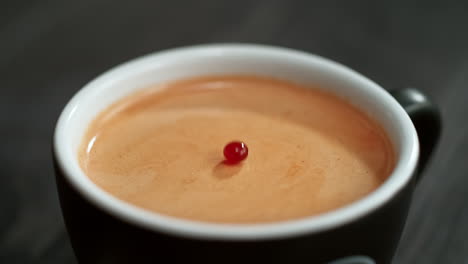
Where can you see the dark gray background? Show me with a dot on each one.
(49, 49)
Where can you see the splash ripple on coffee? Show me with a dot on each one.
(309, 151)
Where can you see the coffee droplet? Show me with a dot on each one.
(235, 152)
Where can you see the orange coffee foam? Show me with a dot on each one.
(309, 151)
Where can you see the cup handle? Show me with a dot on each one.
(426, 119)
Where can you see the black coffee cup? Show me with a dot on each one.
(104, 229)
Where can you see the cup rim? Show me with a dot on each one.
(401, 175)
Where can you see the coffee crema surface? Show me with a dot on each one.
(310, 152)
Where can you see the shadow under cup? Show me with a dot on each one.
(104, 229)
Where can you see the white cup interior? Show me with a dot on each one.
(217, 59)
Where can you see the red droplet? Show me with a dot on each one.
(235, 152)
